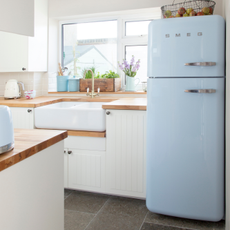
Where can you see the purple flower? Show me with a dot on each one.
(121, 66)
(130, 69)
(132, 61)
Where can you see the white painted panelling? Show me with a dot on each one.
(22, 118)
(87, 143)
(125, 153)
(87, 170)
(65, 168)
(32, 194)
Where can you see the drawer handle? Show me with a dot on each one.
(29, 110)
(107, 113)
(69, 152)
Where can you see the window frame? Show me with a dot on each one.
(122, 40)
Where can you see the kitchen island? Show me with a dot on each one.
(32, 181)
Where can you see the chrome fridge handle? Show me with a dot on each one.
(200, 91)
(200, 64)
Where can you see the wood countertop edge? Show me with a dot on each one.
(17, 157)
(86, 133)
(125, 107)
(81, 133)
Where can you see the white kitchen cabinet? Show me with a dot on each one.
(23, 118)
(21, 53)
(32, 194)
(126, 152)
(85, 163)
(86, 170)
(17, 16)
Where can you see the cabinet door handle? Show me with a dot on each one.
(64, 151)
(107, 113)
(23, 68)
(69, 152)
(29, 110)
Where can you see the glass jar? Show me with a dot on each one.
(144, 86)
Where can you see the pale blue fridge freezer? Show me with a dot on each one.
(185, 117)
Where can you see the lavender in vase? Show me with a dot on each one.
(130, 69)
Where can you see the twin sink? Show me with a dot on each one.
(88, 116)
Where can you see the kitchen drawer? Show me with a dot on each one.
(85, 143)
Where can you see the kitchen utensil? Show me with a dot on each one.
(6, 130)
(12, 89)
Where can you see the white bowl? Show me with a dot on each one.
(30, 94)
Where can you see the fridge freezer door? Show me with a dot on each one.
(187, 47)
(185, 148)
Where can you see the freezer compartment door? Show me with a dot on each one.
(187, 47)
(185, 147)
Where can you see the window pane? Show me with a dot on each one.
(88, 45)
(139, 52)
(137, 28)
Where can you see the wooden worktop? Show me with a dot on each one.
(41, 101)
(28, 142)
(111, 102)
(127, 104)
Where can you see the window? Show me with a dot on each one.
(102, 40)
(137, 28)
(90, 46)
(139, 52)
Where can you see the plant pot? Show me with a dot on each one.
(105, 85)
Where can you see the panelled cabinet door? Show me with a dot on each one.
(23, 118)
(125, 152)
(86, 170)
(14, 52)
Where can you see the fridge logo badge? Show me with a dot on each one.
(179, 35)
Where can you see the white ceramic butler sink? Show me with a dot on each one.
(88, 116)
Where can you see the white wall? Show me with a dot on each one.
(67, 8)
(31, 81)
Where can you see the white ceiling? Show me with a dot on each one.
(66, 8)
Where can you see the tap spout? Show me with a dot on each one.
(92, 94)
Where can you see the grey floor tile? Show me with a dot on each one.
(67, 192)
(77, 220)
(151, 226)
(183, 223)
(85, 202)
(125, 206)
(120, 214)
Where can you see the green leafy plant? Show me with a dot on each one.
(88, 74)
(110, 74)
